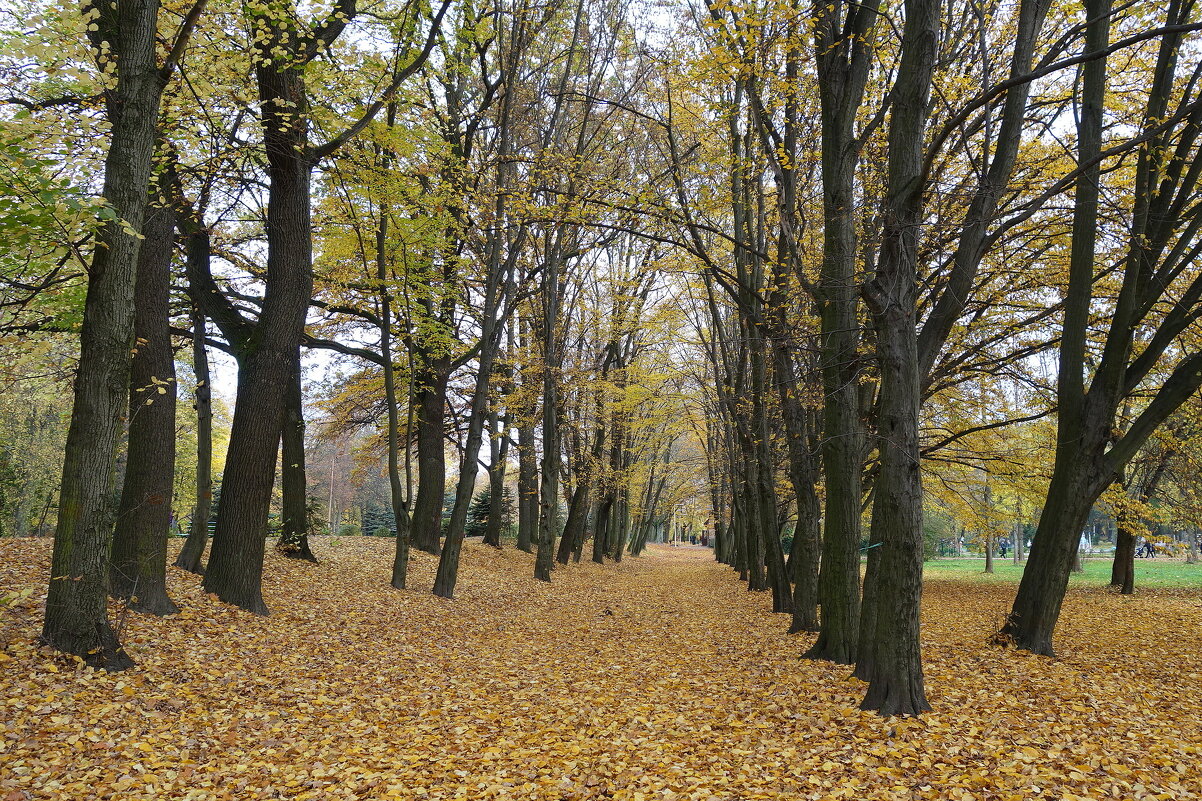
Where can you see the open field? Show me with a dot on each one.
(1160, 572)
(660, 678)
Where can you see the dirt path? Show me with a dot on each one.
(660, 678)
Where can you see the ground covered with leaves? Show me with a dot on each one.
(660, 678)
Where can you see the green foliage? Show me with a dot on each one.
(378, 519)
(477, 513)
(349, 530)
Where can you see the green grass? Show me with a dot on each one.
(1160, 572)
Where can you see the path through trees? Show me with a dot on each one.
(656, 678)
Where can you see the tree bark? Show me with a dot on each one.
(138, 565)
(527, 488)
(192, 554)
(1122, 573)
(844, 53)
(430, 392)
(1078, 449)
(267, 367)
(76, 603)
(497, 467)
(294, 538)
(892, 664)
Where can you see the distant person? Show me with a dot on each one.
(1004, 545)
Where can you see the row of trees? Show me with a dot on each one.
(814, 257)
(946, 262)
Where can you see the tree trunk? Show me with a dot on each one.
(527, 488)
(1037, 605)
(294, 537)
(842, 453)
(765, 485)
(191, 555)
(548, 522)
(448, 563)
(573, 527)
(803, 474)
(430, 394)
(601, 529)
(1122, 574)
(892, 664)
(76, 602)
(138, 565)
(1080, 442)
(266, 371)
(989, 554)
(499, 456)
(396, 488)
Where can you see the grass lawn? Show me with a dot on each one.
(1159, 572)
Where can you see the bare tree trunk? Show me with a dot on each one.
(498, 463)
(1041, 590)
(527, 488)
(138, 565)
(76, 603)
(192, 554)
(844, 53)
(267, 366)
(892, 664)
(294, 537)
(430, 391)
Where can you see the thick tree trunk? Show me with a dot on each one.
(892, 664)
(76, 602)
(601, 528)
(294, 538)
(803, 474)
(266, 371)
(497, 467)
(621, 524)
(192, 554)
(527, 488)
(138, 566)
(573, 527)
(548, 521)
(844, 53)
(765, 486)
(1083, 425)
(1122, 574)
(448, 563)
(1036, 608)
(430, 398)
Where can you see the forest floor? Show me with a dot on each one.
(659, 678)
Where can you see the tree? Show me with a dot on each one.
(1141, 353)
(138, 565)
(124, 38)
(269, 357)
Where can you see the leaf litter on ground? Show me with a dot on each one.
(659, 678)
